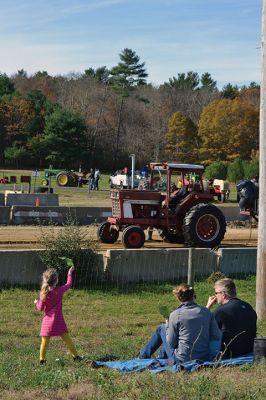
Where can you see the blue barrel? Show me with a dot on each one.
(259, 348)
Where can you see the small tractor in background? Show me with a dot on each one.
(122, 179)
(64, 178)
(180, 214)
(220, 189)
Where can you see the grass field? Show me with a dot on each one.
(109, 324)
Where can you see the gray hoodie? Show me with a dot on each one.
(190, 330)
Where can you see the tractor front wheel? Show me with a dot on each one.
(204, 226)
(133, 237)
(107, 234)
(45, 182)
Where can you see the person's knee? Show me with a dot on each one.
(161, 328)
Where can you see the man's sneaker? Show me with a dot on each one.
(42, 363)
(93, 364)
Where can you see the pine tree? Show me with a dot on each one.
(124, 79)
(128, 74)
(207, 82)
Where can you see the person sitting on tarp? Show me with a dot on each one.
(248, 192)
(236, 319)
(190, 333)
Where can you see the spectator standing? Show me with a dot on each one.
(248, 193)
(50, 303)
(96, 179)
(236, 319)
(91, 179)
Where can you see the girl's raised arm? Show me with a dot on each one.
(69, 280)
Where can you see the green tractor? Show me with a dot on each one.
(64, 178)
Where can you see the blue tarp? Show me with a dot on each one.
(156, 365)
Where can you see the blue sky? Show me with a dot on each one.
(171, 36)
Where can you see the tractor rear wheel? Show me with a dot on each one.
(107, 234)
(221, 197)
(67, 178)
(133, 237)
(204, 226)
(62, 179)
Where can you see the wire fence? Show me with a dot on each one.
(119, 267)
(125, 268)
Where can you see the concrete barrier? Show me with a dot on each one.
(156, 265)
(89, 215)
(24, 267)
(83, 215)
(232, 213)
(29, 199)
(21, 267)
(30, 214)
(4, 215)
(23, 215)
(237, 260)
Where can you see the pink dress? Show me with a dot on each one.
(53, 323)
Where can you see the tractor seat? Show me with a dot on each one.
(196, 187)
(178, 195)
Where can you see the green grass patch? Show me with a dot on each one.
(110, 323)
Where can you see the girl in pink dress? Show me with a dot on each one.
(53, 323)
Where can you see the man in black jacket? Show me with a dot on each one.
(248, 193)
(236, 319)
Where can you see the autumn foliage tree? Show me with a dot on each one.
(228, 129)
(181, 139)
(121, 114)
(15, 115)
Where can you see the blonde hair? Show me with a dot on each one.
(49, 281)
(184, 292)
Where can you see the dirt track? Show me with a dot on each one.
(26, 237)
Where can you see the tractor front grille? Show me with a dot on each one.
(115, 208)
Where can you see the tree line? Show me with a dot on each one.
(100, 117)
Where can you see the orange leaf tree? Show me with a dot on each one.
(228, 129)
(181, 139)
(15, 115)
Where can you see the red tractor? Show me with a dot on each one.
(177, 204)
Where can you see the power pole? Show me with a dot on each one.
(261, 253)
